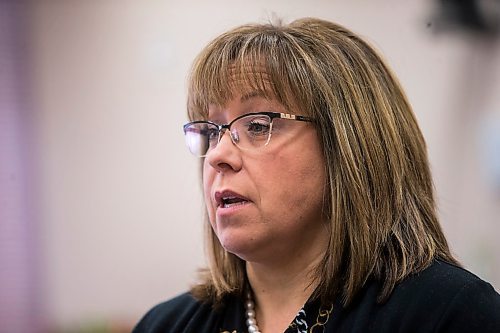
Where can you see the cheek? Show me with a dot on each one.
(296, 181)
(290, 183)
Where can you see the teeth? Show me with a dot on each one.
(227, 205)
(232, 201)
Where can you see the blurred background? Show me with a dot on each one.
(100, 203)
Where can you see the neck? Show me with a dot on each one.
(289, 281)
(281, 289)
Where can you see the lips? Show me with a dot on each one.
(228, 199)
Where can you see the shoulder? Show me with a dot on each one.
(444, 281)
(179, 314)
(449, 298)
(440, 298)
(442, 278)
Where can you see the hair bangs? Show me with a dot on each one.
(241, 63)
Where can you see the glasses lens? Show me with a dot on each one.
(200, 137)
(252, 131)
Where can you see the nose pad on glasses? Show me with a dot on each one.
(235, 136)
(221, 135)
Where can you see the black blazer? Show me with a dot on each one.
(442, 298)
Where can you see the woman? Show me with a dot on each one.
(321, 214)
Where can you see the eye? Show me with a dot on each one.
(212, 133)
(258, 126)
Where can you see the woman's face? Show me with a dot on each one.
(274, 194)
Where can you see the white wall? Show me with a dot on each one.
(119, 198)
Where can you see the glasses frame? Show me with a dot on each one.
(222, 127)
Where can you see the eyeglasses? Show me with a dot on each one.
(248, 131)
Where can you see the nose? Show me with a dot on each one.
(225, 156)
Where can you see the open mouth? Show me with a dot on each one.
(227, 202)
(228, 199)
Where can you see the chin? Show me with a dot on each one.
(243, 246)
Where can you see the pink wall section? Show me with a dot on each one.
(19, 286)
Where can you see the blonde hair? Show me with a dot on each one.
(380, 202)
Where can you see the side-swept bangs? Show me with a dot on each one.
(250, 59)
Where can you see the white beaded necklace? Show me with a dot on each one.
(250, 313)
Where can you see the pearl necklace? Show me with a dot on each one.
(250, 313)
